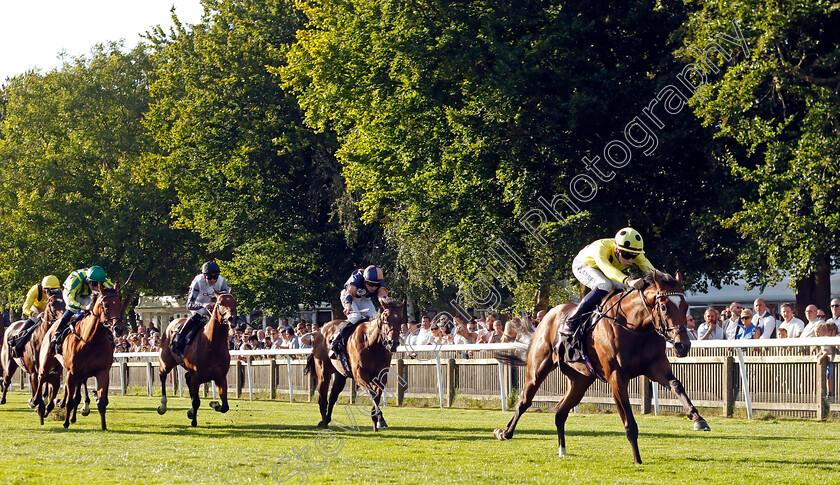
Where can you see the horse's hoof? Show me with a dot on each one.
(561, 452)
(194, 423)
(701, 425)
(214, 405)
(500, 434)
(85, 411)
(382, 424)
(66, 425)
(191, 414)
(161, 410)
(323, 425)
(31, 404)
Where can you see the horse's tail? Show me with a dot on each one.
(309, 369)
(518, 356)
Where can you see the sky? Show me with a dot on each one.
(34, 32)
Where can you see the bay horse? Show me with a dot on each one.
(627, 341)
(369, 350)
(206, 358)
(86, 352)
(32, 351)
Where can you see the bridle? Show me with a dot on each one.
(388, 342)
(108, 322)
(231, 319)
(659, 324)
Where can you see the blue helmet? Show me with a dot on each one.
(373, 274)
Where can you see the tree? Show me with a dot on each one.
(775, 113)
(68, 199)
(252, 180)
(456, 120)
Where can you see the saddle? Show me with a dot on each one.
(341, 350)
(570, 349)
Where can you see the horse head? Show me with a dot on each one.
(108, 310)
(666, 304)
(224, 311)
(390, 320)
(55, 307)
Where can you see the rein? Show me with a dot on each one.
(659, 326)
(109, 323)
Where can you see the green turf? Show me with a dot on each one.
(423, 446)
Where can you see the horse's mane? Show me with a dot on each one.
(389, 303)
(663, 278)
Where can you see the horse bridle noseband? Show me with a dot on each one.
(661, 328)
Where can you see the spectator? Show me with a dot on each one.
(498, 332)
(827, 329)
(510, 333)
(764, 319)
(731, 326)
(437, 335)
(255, 342)
(424, 337)
(793, 326)
(413, 333)
(709, 329)
(811, 329)
(835, 313)
(751, 328)
(689, 326)
(404, 333)
(471, 330)
(462, 334)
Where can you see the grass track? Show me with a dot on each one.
(423, 446)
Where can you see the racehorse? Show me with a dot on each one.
(31, 352)
(205, 358)
(369, 350)
(627, 341)
(86, 352)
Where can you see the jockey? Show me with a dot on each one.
(600, 265)
(356, 300)
(200, 303)
(33, 306)
(79, 289)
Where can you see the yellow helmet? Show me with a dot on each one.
(50, 281)
(629, 239)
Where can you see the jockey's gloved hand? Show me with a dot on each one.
(636, 283)
(347, 310)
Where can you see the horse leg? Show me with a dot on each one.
(33, 384)
(221, 387)
(543, 364)
(50, 390)
(102, 380)
(375, 410)
(338, 386)
(9, 367)
(70, 388)
(192, 385)
(622, 402)
(86, 406)
(165, 366)
(663, 375)
(578, 384)
(77, 398)
(323, 400)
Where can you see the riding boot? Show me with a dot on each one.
(58, 336)
(18, 342)
(585, 307)
(339, 343)
(181, 338)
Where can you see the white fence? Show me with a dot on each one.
(777, 375)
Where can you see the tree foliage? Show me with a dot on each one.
(252, 180)
(69, 140)
(775, 113)
(454, 117)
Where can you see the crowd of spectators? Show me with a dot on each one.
(737, 322)
(476, 330)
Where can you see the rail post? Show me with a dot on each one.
(401, 383)
(728, 386)
(450, 381)
(272, 378)
(822, 391)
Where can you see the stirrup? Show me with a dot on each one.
(566, 330)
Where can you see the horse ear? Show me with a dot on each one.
(117, 286)
(678, 276)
